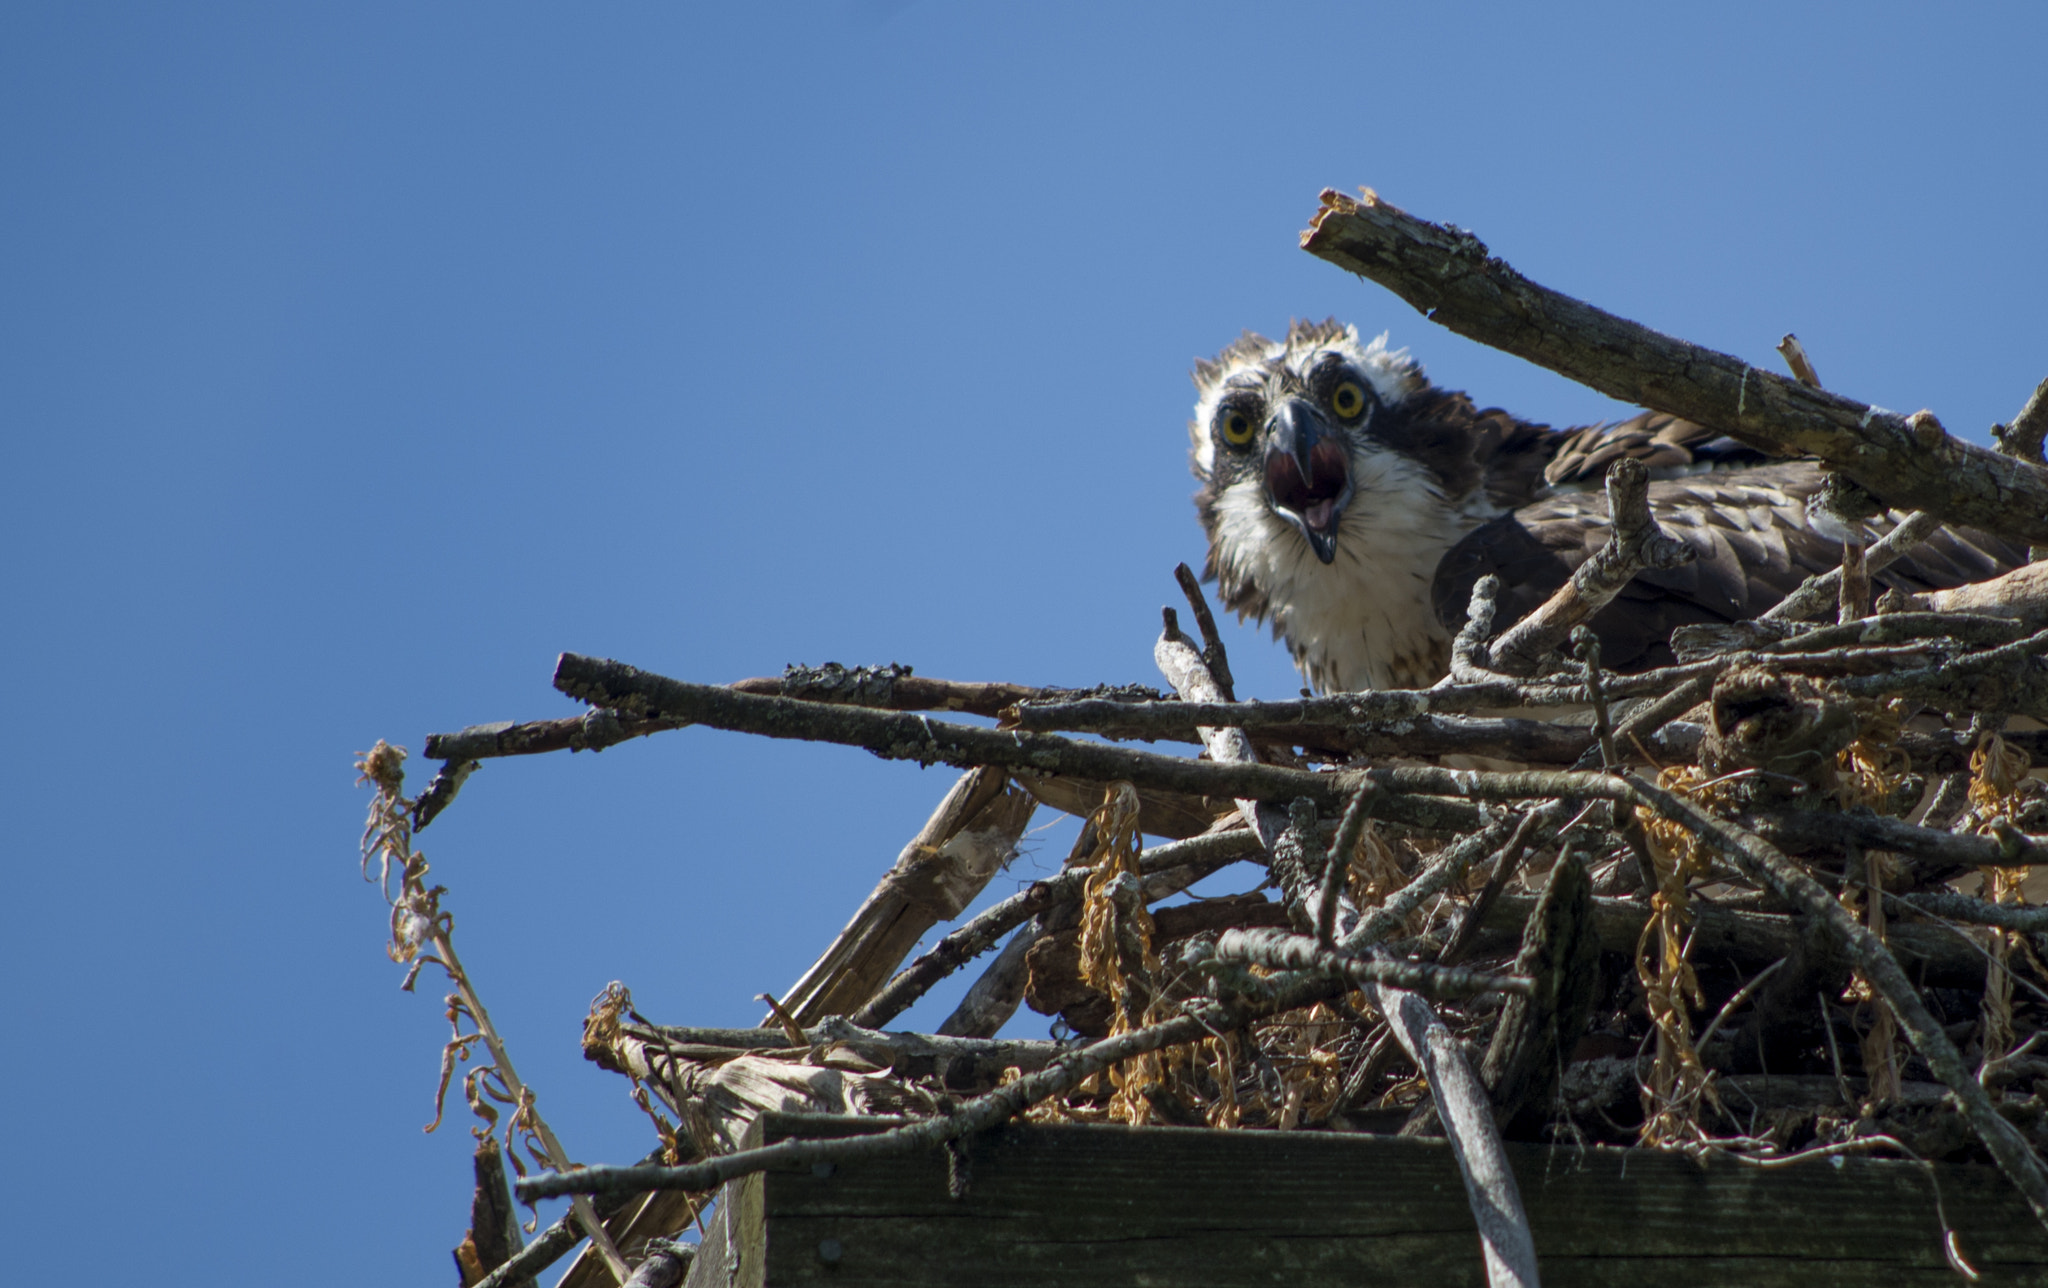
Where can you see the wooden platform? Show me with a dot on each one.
(1086, 1205)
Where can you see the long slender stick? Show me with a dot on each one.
(1337, 864)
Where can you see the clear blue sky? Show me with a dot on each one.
(356, 359)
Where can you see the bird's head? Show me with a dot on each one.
(1286, 417)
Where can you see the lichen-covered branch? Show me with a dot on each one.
(1280, 950)
(1449, 275)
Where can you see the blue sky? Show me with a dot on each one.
(357, 359)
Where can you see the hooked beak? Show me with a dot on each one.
(1308, 474)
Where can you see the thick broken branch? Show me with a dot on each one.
(665, 1266)
(493, 1236)
(994, 997)
(1561, 956)
(1448, 274)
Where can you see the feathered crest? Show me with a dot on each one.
(1394, 374)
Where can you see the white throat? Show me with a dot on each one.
(1365, 620)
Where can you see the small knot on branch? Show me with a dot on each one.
(1927, 430)
(1840, 509)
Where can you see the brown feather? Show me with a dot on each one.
(1755, 546)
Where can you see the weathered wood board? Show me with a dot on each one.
(1091, 1205)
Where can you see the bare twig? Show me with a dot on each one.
(1505, 865)
(1213, 652)
(1741, 995)
(1589, 653)
(1950, 906)
(2012, 679)
(1818, 591)
(1446, 869)
(889, 688)
(1337, 864)
(1826, 833)
(1636, 543)
(1796, 359)
(2023, 437)
(965, 944)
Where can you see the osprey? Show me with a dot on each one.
(1355, 504)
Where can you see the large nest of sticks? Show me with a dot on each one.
(1769, 900)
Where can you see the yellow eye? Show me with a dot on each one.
(1237, 427)
(1349, 400)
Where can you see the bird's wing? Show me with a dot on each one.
(1755, 546)
(1668, 445)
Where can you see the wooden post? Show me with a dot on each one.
(1085, 1205)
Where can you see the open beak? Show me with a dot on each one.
(1308, 474)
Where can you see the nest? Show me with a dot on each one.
(1790, 918)
(1770, 901)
